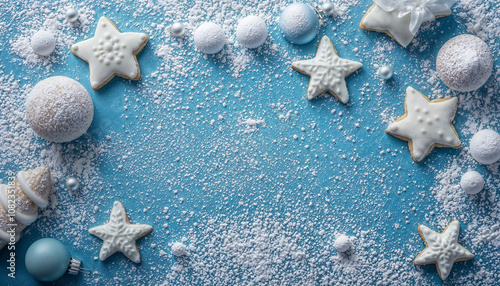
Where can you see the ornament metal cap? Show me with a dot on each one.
(75, 268)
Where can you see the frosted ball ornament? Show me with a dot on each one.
(472, 182)
(385, 72)
(251, 32)
(47, 259)
(328, 8)
(209, 38)
(299, 23)
(72, 15)
(485, 147)
(59, 109)
(43, 43)
(342, 243)
(177, 30)
(72, 184)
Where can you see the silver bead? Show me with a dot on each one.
(328, 8)
(72, 184)
(385, 72)
(177, 29)
(72, 15)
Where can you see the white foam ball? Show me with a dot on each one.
(342, 243)
(485, 146)
(43, 43)
(472, 182)
(179, 249)
(59, 109)
(209, 38)
(464, 63)
(251, 32)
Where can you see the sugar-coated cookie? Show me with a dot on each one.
(111, 53)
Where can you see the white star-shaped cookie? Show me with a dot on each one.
(119, 235)
(442, 249)
(327, 71)
(110, 53)
(426, 124)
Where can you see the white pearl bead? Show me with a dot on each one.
(177, 29)
(328, 8)
(72, 184)
(385, 72)
(72, 15)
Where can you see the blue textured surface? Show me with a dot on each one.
(213, 167)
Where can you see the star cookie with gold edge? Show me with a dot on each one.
(327, 71)
(111, 53)
(442, 249)
(426, 124)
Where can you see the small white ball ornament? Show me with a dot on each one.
(72, 15)
(251, 32)
(342, 243)
(485, 147)
(472, 182)
(328, 8)
(177, 30)
(43, 43)
(385, 72)
(209, 38)
(72, 184)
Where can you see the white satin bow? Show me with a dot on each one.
(421, 10)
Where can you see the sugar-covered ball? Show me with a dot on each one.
(43, 43)
(251, 32)
(179, 249)
(485, 146)
(342, 243)
(209, 38)
(59, 109)
(464, 63)
(299, 23)
(72, 15)
(472, 182)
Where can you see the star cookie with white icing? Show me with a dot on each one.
(442, 249)
(426, 124)
(119, 235)
(327, 71)
(111, 53)
(401, 19)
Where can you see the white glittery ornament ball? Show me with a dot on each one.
(342, 243)
(251, 32)
(385, 72)
(179, 249)
(485, 147)
(72, 15)
(328, 8)
(43, 43)
(209, 38)
(177, 29)
(472, 182)
(72, 184)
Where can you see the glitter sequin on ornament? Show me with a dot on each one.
(72, 184)
(299, 24)
(385, 72)
(72, 15)
(177, 30)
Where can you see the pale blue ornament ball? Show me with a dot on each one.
(72, 184)
(47, 259)
(299, 23)
(385, 72)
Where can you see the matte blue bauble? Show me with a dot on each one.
(47, 259)
(299, 23)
